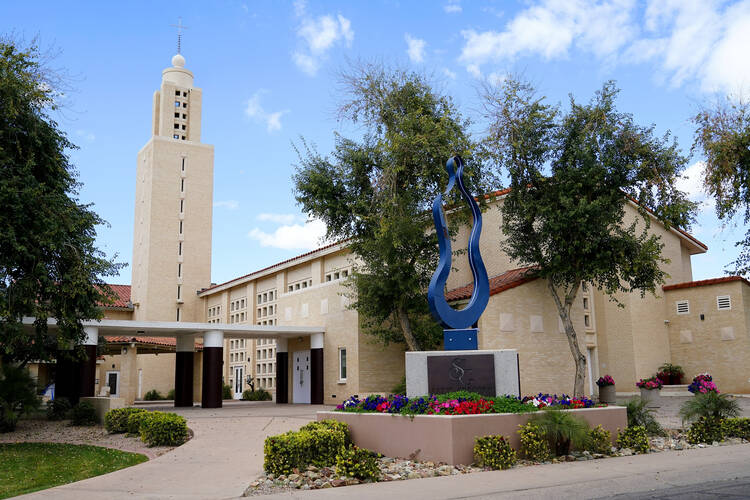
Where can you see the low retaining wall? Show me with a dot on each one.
(450, 438)
(102, 405)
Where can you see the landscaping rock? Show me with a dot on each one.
(626, 452)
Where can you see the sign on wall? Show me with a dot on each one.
(467, 372)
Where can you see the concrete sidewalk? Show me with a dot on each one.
(225, 455)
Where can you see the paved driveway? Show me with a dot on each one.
(225, 455)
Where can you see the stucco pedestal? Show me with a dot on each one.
(652, 397)
(607, 395)
(103, 405)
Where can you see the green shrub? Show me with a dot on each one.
(259, 395)
(226, 392)
(400, 388)
(163, 429)
(83, 414)
(600, 440)
(17, 395)
(116, 421)
(534, 445)
(635, 438)
(358, 463)
(737, 427)
(330, 424)
(493, 452)
(706, 430)
(153, 395)
(8, 418)
(563, 430)
(709, 405)
(58, 409)
(134, 419)
(639, 414)
(317, 443)
(170, 394)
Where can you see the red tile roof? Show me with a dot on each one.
(159, 341)
(122, 297)
(506, 281)
(712, 281)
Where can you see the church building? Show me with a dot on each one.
(702, 326)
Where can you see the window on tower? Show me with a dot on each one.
(177, 115)
(184, 94)
(177, 93)
(184, 104)
(177, 125)
(175, 136)
(177, 104)
(184, 116)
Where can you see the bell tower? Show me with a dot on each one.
(173, 204)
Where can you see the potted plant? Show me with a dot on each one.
(650, 388)
(606, 389)
(703, 383)
(670, 374)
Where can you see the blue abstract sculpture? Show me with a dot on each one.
(458, 333)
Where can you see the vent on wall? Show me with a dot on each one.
(723, 302)
(683, 307)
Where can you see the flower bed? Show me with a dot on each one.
(460, 403)
(703, 383)
(449, 437)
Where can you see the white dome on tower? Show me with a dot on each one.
(178, 61)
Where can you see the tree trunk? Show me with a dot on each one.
(563, 309)
(403, 319)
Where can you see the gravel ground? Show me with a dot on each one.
(45, 431)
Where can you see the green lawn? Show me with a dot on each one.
(27, 467)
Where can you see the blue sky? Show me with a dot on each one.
(268, 74)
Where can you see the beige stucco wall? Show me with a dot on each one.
(697, 345)
(157, 372)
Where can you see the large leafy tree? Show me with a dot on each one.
(376, 191)
(723, 135)
(571, 175)
(49, 265)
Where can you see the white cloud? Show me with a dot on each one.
(279, 218)
(86, 135)
(228, 204)
(415, 48)
(254, 110)
(306, 236)
(696, 40)
(319, 35)
(453, 7)
(450, 74)
(691, 183)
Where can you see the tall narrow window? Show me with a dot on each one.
(342, 365)
(178, 291)
(182, 185)
(182, 206)
(178, 314)
(180, 227)
(179, 270)
(179, 249)
(183, 163)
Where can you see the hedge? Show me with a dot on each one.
(116, 421)
(134, 422)
(163, 429)
(317, 443)
(83, 414)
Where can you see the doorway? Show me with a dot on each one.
(113, 382)
(239, 372)
(301, 377)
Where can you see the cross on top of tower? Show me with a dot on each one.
(179, 27)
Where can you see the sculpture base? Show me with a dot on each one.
(460, 340)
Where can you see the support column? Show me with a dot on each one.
(87, 367)
(213, 356)
(183, 371)
(66, 375)
(316, 369)
(282, 371)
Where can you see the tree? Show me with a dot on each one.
(723, 135)
(49, 265)
(376, 194)
(571, 176)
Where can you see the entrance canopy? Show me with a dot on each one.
(181, 329)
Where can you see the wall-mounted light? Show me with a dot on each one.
(124, 351)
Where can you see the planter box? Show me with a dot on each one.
(450, 438)
(607, 394)
(102, 405)
(652, 397)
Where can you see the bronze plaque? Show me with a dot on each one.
(465, 372)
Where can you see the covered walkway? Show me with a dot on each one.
(76, 379)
